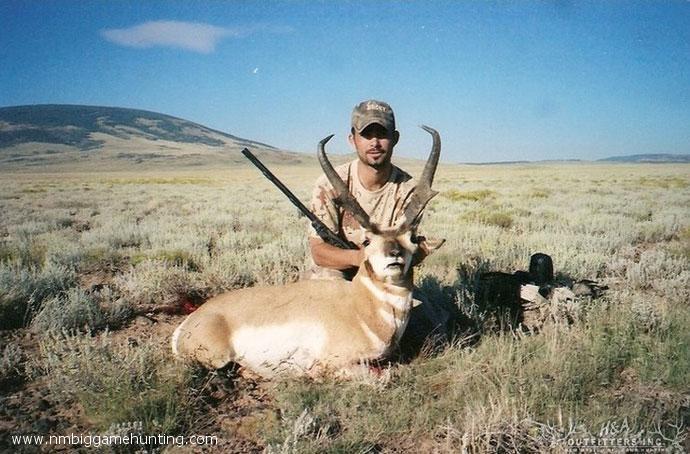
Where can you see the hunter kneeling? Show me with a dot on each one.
(384, 191)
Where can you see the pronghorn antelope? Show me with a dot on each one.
(310, 327)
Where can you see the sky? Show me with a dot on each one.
(500, 81)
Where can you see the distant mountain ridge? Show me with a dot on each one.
(650, 158)
(116, 137)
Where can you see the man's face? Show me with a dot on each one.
(374, 145)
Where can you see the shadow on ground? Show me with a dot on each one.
(480, 301)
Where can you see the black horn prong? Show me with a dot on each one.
(325, 140)
(432, 162)
(423, 193)
(343, 193)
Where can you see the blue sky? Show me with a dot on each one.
(510, 80)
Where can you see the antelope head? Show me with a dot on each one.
(390, 253)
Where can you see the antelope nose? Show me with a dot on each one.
(396, 252)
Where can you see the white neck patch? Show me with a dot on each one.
(399, 302)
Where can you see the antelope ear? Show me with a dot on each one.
(431, 244)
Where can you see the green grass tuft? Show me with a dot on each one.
(489, 216)
(473, 196)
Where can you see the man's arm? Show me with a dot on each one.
(328, 256)
(323, 254)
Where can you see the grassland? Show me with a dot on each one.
(94, 266)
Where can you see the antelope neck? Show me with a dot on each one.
(399, 297)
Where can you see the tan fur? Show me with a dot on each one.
(338, 307)
(305, 327)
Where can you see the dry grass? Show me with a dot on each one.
(115, 383)
(80, 253)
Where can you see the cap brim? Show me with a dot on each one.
(376, 120)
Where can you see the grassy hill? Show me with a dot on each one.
(113, 138)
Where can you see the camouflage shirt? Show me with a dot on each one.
(384, 206)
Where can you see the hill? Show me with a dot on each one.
(650, 158)
(67, 136)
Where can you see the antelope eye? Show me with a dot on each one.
(415, 239)
(366, 242)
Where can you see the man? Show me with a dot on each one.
(381, 188)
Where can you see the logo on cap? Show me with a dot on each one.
(373, 105)
(373, 111)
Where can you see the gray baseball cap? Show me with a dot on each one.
(373, 111)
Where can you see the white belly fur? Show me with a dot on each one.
(276, 348)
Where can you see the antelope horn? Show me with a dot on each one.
(344, 198)
(423, 193)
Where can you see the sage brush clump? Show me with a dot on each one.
(115, 383)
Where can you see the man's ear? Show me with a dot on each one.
(431, 244)
(351, 140)
(396, 137)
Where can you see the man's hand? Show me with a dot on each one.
(333, 257)
(426, 247)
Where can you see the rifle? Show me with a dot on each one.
(322, 230)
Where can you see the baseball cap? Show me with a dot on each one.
(373, 111)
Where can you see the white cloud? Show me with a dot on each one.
(192, 36)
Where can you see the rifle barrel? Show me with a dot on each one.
(319, 226)
(273, 179)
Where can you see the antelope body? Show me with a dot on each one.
(310, 327)
(304, 327)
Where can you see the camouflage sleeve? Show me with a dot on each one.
(323, 207)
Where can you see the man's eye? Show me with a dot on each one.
(366, 243)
